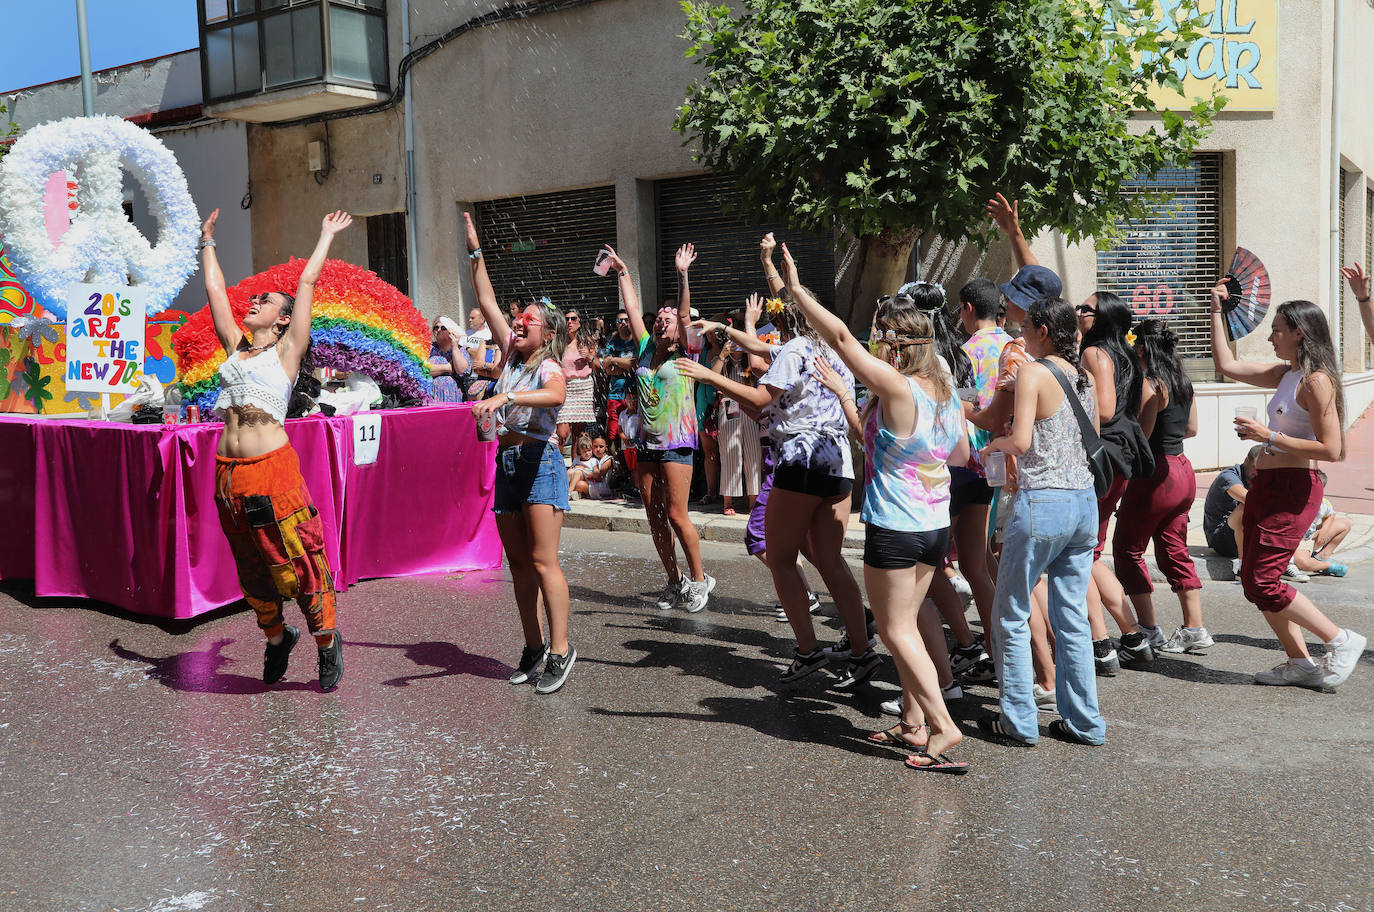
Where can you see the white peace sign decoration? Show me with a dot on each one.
(102, 245)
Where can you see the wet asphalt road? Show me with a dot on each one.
(145, 767)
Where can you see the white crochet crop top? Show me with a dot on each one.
(259, 381)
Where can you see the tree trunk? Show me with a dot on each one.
(874, 266)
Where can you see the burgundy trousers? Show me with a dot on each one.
(1157, 508)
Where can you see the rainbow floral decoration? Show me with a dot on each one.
(358, 323)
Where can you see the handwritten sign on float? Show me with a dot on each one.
(105, 338)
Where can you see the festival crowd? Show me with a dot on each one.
(993, 449)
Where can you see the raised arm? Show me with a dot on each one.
(481, 284)
(770, 272)
(1251, 372)
(756, 397)
(628, 299)
(297, 335)
(882, 379)
(1007, 217)
(226, 328)
(686, 256)
(1359, 285)
(746, 339)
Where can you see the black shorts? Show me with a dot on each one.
(808, 481)
(885, 549)
(1222, 540)
(974, 490)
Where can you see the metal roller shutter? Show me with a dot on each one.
(704, 211)
(1168, 262)
(1344, 286)
(545, 244)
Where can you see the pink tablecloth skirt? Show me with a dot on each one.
(126, 514)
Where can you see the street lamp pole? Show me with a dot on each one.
(84, 40)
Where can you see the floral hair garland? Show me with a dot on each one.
(774, 306)
(101, 241)
(358, 323)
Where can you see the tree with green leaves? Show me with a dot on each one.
(894, 120)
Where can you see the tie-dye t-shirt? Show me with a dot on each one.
(984, 350)
(537, 422)
(667, 402)
(808, 424)
(906, 480)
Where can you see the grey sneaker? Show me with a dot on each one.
(274, 658)
(1188, 639)
(695, 595)
(781, 616)
(556, 668)
(1341, 660)
(1291, 674)
(1044, 699)
(530, 659)
(859, 669)
(1294, 575)
(1153, 635)
(671, 596)
(952, 692)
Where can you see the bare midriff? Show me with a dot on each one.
(249, 431)
(1284, 461)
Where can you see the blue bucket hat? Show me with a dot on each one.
(1030, 284)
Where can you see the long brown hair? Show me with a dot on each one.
(1316, 354)
(904, 336)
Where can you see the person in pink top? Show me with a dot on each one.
(579, 360)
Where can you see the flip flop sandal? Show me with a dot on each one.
(940, 764)
(889, 738)
(728, 511)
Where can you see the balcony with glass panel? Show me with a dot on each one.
(273, 60)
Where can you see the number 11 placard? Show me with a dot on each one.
(367, 437)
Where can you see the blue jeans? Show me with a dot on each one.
(530, 473)
(1051, 529)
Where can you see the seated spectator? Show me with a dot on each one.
(1226, 503)
(1328, 530)
(447, 363)
(591, 471)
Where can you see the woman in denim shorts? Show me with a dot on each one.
(531, 479)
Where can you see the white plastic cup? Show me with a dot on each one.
(603, 263)
(1247, 411)
(995, 468)
(693, 339)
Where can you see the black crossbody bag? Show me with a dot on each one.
(1099, 462)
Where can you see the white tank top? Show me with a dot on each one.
(259, 380)
(1285, 415)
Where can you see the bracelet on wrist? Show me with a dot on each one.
(773, 275)
(1364, 300)
(624, 273)
(210, 242)
(475, 254)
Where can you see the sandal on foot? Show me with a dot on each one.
(993, 725)
(937, 764)
(728, 511)
(892, 737)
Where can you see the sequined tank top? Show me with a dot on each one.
(1056, 458)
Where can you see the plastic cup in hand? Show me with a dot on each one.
(486, 427)
(1246, 411)
(693, 340)
(603, 263)
(995, 468)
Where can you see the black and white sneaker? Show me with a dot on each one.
(859, 669)
(963, 658)
(274, 658)
(1135, 649)
(803, 663)
(984, 671)
(1105, 659)
(556, 668)
(530, 659)
(841, 648)
(814, 604)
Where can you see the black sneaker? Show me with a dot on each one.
(274, 658)
(963, 658)
(984, 671)
(803, 663)
(556, 668)
(1135, 649)
(1104, 658)
(859, 669)
(530, 657)
(331, 663)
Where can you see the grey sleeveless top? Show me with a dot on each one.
(1056, 458)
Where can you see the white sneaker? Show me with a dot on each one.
(1188, 639)
(781, 616)
(695, 595)
(1341, 660)
(1291, 674)
(962, 588)
(892, 707)
(1294, 575)
(1153, 635)
(671, 596)
(1044, 699)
